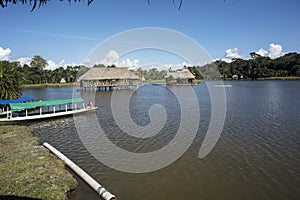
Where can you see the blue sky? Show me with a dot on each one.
(66, 34)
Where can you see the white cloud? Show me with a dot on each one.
(51, 65)
(275, 50)
(228, 60)
(232, 53)
(168, 67)
(135, 64)
(160, 67)
(111, 58)
(262, 52)
(179, 66)
(4, 53)
(63, 64)
(24, 60)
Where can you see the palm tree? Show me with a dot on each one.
(11, 80)
(4, 3)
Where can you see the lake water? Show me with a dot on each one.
(256, 157)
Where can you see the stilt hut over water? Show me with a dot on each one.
(103, 78)
(180, 77)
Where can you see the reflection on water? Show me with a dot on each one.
(257, 156)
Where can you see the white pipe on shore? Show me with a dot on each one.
(101, 191)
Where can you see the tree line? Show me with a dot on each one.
(13, 75)
(256, 67)
(35, 73)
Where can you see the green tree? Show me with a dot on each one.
(26, 70)
(38, 65)
(11, 80)
(195, 72)
(153, 73)
(162, 74)
(256, 67)
(141, 73)
(111, 66)
(99, 65)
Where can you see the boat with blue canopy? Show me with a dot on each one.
(18, 100)
(4, 104)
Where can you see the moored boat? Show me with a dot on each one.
(4, 104)
(45, 109)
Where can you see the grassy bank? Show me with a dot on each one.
(30, 170)
(48, 85)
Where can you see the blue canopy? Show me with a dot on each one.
(19, 100)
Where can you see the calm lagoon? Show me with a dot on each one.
(256, 157)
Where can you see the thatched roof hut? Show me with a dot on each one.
(182, 76)
(103, 76)
(104, 73)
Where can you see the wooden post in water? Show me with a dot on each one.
(101, 191)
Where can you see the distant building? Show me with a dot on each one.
(235, 77)
(180, 77)
(62, 80)
(103, 77)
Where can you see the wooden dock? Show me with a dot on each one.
(108, 87)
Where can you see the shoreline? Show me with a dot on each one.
(48, 85)
(288, 78)
(197, 81)
(28, 169)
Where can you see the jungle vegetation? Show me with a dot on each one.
(13, 75)
(257, 67)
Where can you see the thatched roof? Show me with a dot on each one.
(104, 73)
(180, 74)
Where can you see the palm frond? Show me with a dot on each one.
(4, 3)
